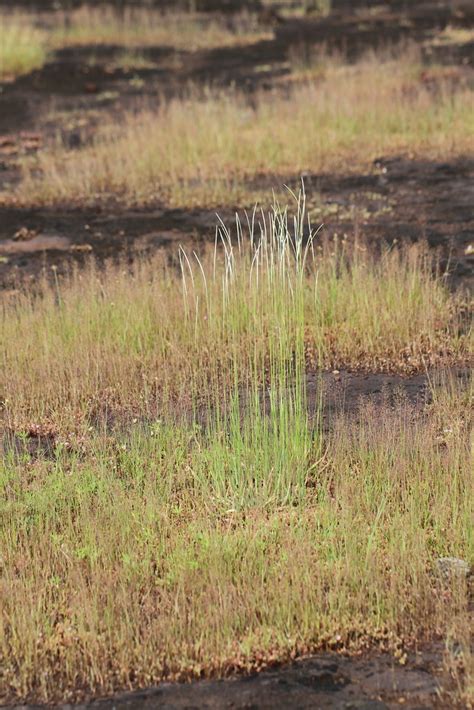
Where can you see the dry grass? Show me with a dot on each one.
(141, 27)
(126, 59)
(453, 35)
(214, 144)
(120, 567)
(151, 547)
(305, 7)
(120, 570)
(128, 334)
(26, 41)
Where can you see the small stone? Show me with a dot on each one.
(449, 567)
(24, 234)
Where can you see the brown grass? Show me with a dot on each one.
(355, 312)
(141, 27)
(213, 145)
(122, 568)
(26, 40)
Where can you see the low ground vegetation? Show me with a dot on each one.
(171, 525)
(139, 27)
(177, 499)
(23, 47)
(341, 117)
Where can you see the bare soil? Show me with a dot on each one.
(398, 199)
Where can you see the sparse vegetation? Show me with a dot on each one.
(135, 539)
(169, 506)
(25, 42)
(453, 35)
(141, 27)
(345, 308)
(295, 9)
(214, 144)
(252, 448)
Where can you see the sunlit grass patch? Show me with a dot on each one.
(136, 537)
(23, 47)
(215, 143)
(262, 297)
(141, 27)
(26, 40)
(298, 9)
(126, 59)
(453, 35)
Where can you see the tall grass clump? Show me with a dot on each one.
(267, 302)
